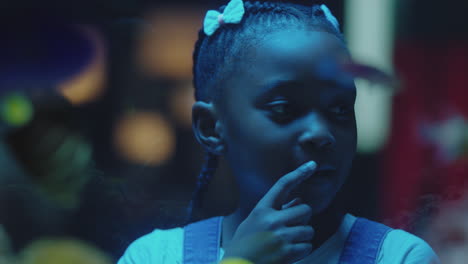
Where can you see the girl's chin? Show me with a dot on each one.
(317, 202)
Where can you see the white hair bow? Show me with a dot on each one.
(232, 14)
(330, 17)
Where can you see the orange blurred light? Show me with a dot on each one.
(145, 138)
(89, 84)
(181, 102)
(166, 44)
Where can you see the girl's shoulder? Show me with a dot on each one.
(396, 246)
(159, 246)
(400, 246)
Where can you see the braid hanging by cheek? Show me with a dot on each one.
(204, 178)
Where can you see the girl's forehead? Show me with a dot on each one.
(296, 55)
(305, 46)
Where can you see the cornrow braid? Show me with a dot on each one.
(219, 54)
(259, 7)
(204, 178)
(215, 57)
(218, 51)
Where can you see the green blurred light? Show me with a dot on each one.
(16, 109)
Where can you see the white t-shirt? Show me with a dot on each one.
(399, 247)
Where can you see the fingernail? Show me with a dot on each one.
(311, 165)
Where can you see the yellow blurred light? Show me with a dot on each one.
(166, 44)
(235, 261)
(60, 251)
(145, 138)
(89, 84)
(181, 102)
(16, 109)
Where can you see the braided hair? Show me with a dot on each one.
(217, 57)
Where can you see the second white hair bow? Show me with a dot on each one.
(232, 14)
(330, 16)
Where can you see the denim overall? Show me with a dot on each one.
(202, 240)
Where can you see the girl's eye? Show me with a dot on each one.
(342, 111)
(280, 109)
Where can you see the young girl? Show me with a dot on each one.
(274, 99)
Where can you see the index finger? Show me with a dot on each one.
(279, 192)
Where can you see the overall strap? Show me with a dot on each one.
(364, 242)
(202, 241)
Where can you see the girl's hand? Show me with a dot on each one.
(276, 232)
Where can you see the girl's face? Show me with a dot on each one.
(290, 103)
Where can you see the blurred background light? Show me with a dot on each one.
(89, 83)
(61, 251)
(145, 138)
(370, 34)
(448, 137)
(56, 158)
(166, 43)
(447, 231)
(16, 109)
(181, 101)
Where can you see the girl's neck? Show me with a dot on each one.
(230, 224)
(325, 224)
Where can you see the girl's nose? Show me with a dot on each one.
(317, 137)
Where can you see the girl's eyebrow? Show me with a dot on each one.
(278, 85)
(293, 86)
(344, 94)
(275, 86)
(282, 84)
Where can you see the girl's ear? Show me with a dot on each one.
(207, 127)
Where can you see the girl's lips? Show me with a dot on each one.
(322, 180)
(326, 168)
(323, 172)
